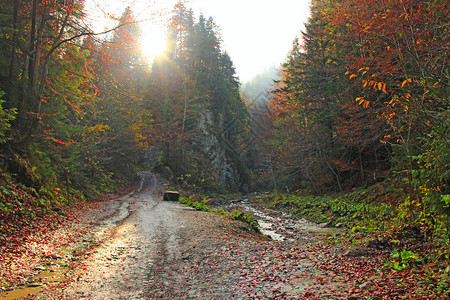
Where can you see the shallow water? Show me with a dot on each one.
(55, 267)
(280, 225)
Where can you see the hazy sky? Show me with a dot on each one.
(256, 33)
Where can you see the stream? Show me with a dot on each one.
(278, 225)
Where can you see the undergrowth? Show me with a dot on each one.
(244, 217)
(379, 208)
(20, 205)
(413, 232)
(344, 210)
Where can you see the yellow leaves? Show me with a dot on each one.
(391, 115)
(387, 139)
(97, 129)
(375, 84)
(394, 101)
(362, 101)
(381, 86)
(363, 70)
(406, 82)
(408, 96)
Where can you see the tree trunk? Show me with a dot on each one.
(13, 45)
(32, 47)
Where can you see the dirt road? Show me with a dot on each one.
(152, 252)
(140, 247)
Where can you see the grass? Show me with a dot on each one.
(359, 208)
(380, 211)
(244, 217)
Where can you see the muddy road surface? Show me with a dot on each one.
(141, 247)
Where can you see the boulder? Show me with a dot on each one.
(365, 285)
(380, 244)
(323, 225)
(171, 196)
(356, 251)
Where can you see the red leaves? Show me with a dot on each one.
(66, 144)
(29, 231)
(308, 294)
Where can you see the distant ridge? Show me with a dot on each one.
(261, 83)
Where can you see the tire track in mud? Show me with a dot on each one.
(135, 258)
(161, 278)
(117, 269)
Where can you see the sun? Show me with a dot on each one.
(153, 42)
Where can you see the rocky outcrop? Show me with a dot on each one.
(211, 146)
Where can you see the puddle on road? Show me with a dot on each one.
(55, 268)
(52, 275)
(21, 292)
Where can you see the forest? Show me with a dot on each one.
(86, 112)
(364, 100)
(360, 105)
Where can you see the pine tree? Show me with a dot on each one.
(197, 94)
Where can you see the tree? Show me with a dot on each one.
(307, 105)
(44, 75)
(368, 86)
(201, 116)
(398, 62)
(117, 122)
(74, 109)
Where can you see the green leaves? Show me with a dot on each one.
(404, 259)
(6, 116)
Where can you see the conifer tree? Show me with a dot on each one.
(196, 80)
